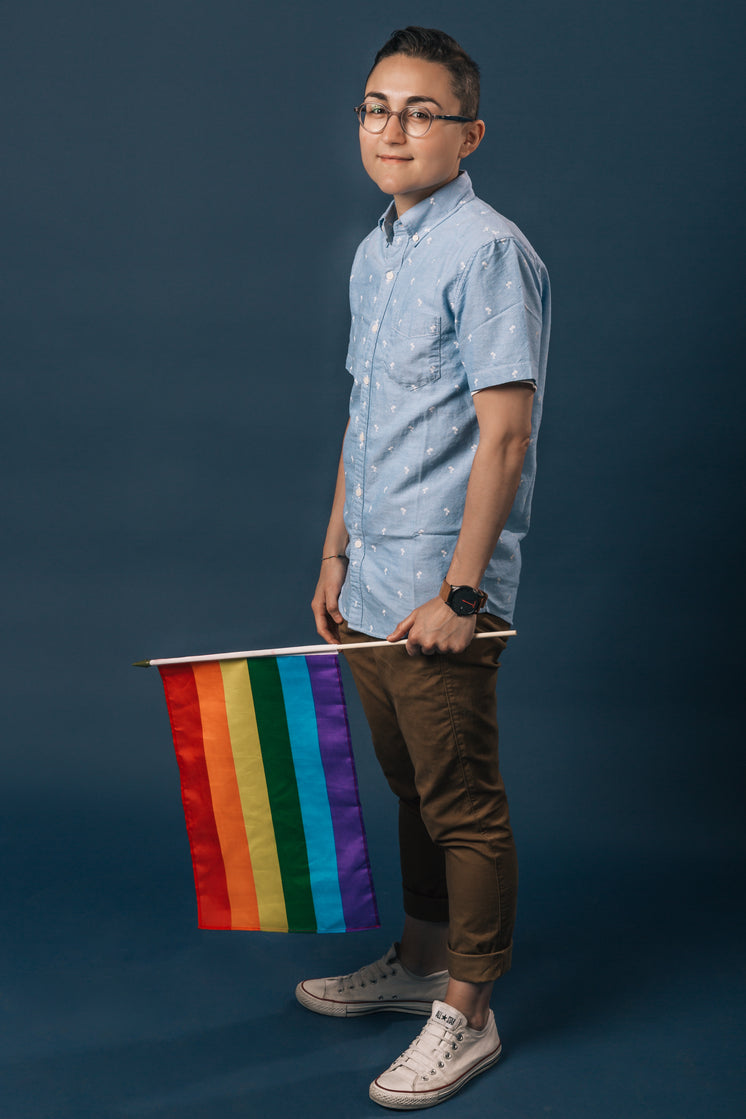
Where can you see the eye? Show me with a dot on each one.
(375, 109)
(418, 114)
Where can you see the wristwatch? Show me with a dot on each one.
(463, 600)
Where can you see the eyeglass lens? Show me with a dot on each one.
(414, 120)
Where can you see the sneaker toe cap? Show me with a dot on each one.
(398, 1078)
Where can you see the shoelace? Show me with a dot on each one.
(431, 1049)
(370, 973)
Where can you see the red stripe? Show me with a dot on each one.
(213, 905)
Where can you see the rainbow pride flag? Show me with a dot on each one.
(270, 794)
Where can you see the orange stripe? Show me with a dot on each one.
(226, 800)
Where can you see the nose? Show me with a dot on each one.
(393, 131)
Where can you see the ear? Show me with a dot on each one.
(473, 134)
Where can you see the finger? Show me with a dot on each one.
(329, 603)
(333, 618)
(333, 638)
(324, 625)
(333, 611)
(402, 629)
(329, 632)
(322, 629)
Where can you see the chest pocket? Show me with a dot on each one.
(418, 343)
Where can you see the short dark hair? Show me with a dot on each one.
(435, 46)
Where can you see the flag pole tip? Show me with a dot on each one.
(141, 664)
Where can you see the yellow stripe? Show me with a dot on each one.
(252, 788)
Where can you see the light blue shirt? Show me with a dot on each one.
(447, 300)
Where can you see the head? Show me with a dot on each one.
(432, 45)
(423, 72)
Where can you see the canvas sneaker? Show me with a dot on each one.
(444, 1057)
(383, 985)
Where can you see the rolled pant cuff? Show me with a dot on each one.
(479, 969)
(426, 909)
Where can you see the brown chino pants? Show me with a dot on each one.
(433, 721)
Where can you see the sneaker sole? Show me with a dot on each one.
(410, 1101)
(356, 1009)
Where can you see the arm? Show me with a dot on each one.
(333, 571)
(504, 417)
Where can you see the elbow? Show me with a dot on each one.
(515, 443)
(516, 451)
(523, 442)
(521, 437)
(509, 450)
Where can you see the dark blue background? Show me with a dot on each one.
(174, 319)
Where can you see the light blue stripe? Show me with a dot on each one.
(314, 799)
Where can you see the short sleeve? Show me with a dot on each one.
(499, 316)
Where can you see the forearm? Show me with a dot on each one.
(336, 537)
(504, 417)
(325, 604)
(493, 484)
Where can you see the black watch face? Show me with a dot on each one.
(464, 601)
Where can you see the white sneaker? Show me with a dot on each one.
(383, 985)
(439, 1062)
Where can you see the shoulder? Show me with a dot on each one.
(497, 268)
(484, 228)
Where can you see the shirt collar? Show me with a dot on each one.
(431, 211)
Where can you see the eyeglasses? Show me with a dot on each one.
(414, 120)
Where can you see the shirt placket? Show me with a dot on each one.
(392, 258)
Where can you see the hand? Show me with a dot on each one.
(325, 600)
(434, 628)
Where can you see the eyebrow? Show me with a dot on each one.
(414, 100)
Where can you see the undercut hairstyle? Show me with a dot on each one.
(435, 46)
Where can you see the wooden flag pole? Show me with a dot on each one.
(297, 650)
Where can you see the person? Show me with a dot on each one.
(448, 348)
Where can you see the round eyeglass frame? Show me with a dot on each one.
(402, 115)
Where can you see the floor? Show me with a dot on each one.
(625, 999)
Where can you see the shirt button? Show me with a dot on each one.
(389, 276)
(358, 543)
(415, 236)
(359, 491)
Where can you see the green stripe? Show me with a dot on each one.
(282, 788)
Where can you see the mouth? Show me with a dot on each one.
(396, 158)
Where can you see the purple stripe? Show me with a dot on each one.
(355, 881)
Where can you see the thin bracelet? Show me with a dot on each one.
(339, 555)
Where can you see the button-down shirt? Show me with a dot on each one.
(446, 300)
